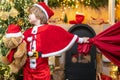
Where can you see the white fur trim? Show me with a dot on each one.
(62, 50)
(80, 40)
(33, 63)
(35, 29)
(30, 53)
(23, 36)
(42, 9)
(34, 45)
(29, 39)
(13, 35)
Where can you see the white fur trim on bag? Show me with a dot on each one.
(42, 9)
(13, 35)
(62, 50)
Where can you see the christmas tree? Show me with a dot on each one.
(12, 11)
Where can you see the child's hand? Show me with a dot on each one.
(85, 39)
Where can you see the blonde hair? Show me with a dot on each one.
(39, 14)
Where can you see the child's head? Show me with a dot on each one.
(42, 12)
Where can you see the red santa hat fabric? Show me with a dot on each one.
(46, 9)
(13, 31)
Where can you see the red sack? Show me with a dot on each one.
(108, 42)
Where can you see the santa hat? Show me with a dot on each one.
(48, 12)
(13, 31)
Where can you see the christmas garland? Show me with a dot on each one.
(93, 3)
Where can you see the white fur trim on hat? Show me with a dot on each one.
(13, 35)
(42, 9)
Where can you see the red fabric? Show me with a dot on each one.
(105, 77)
(84, 48)
(108, 42)
(79, 19)
(56, 36)
(13, 28)
(47, 9)
(72, 22)
(50, 38)
(10, 55)
(37, 74)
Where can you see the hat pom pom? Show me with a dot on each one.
(30, 53)
(29, 39)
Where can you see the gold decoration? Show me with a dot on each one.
(113, 72)
(20, 22)
(4, 15)
(13, 12)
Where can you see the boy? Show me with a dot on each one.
(44, 40)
